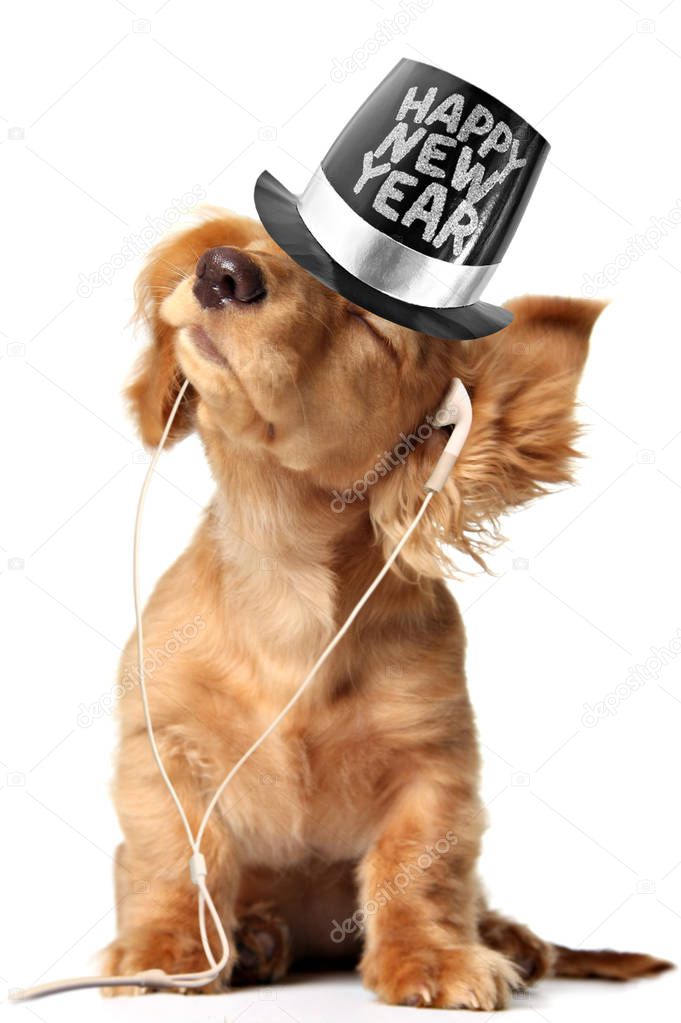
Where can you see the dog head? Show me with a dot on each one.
(288, 373)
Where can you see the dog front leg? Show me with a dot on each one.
(419, 903)
(156, 898)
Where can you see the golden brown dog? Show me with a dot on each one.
(360, 817)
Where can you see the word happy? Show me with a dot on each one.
(442, 127)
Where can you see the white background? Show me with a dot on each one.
(109, 114)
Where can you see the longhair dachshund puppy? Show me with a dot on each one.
(355, 830)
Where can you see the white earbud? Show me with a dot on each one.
(456, 410)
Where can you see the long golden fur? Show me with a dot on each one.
(373, 778)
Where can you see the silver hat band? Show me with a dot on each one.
(382, 262)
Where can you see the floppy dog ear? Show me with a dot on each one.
(522, 383)
(157, 377)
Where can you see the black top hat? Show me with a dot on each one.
(415, 203)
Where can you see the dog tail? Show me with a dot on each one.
(605, 963)
(535, 958)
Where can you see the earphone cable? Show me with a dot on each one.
(197, 864)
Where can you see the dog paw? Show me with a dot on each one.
(142, 949)
(263, 947)
(462, 977)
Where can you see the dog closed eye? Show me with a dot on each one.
(385, 342)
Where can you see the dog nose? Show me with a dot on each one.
(226, 275)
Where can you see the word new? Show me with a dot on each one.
(469, 179)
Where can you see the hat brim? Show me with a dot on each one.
(278, 210)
